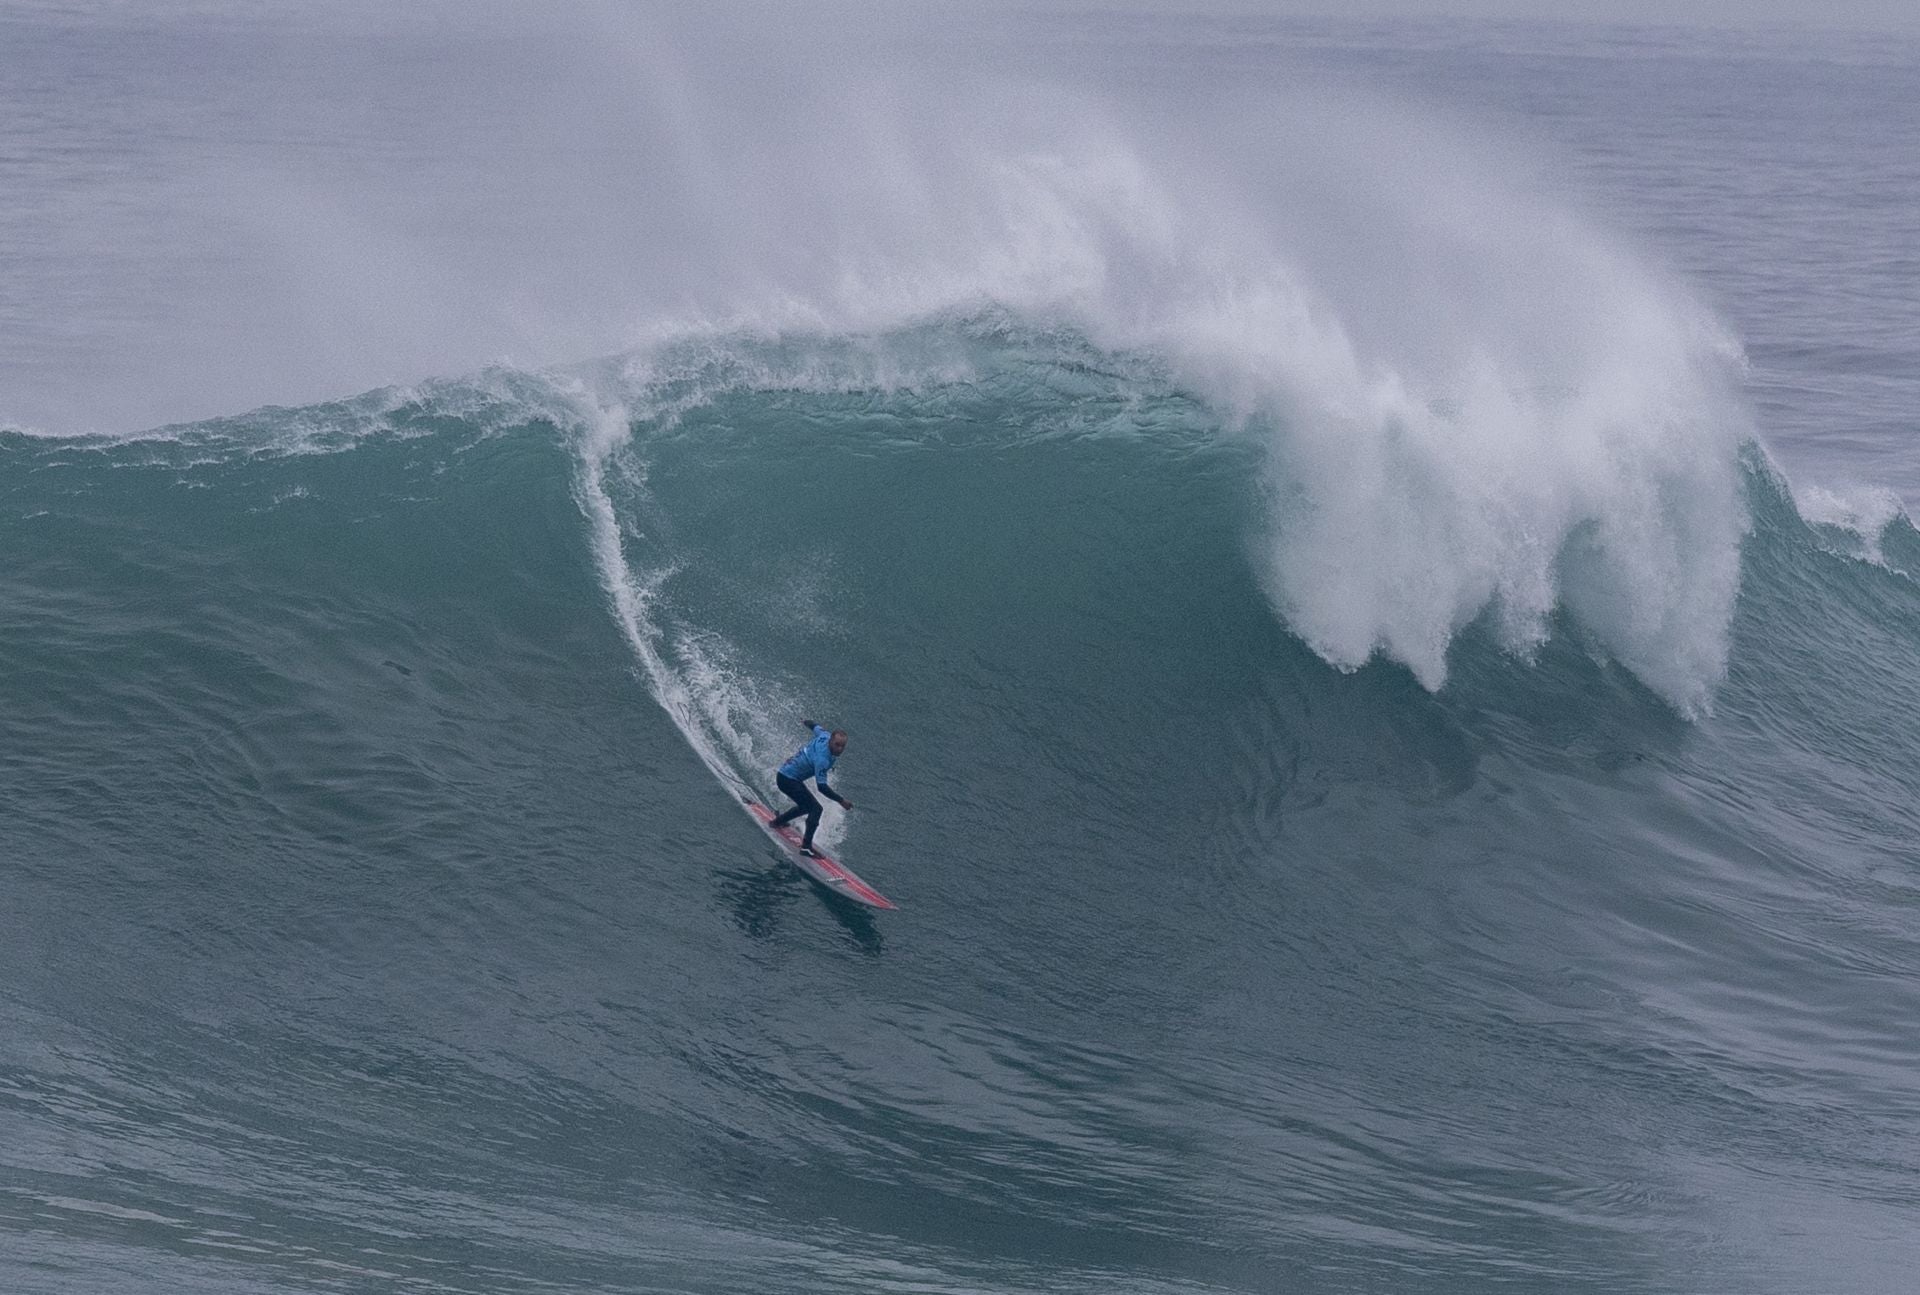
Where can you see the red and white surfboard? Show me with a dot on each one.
(835, 876)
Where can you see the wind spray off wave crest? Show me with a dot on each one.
(1475, 407)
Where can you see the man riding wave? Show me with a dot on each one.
(813, 760)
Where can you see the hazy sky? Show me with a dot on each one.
(1863, 13)
(1898, 14)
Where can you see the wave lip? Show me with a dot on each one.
(1475, 405)
(1401, 516)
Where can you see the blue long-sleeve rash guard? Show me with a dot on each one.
(812, 760)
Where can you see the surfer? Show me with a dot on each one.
(811, 761)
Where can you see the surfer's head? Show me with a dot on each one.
(838, 742)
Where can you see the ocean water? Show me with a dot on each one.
(1365, 564)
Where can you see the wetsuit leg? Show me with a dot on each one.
(803, 803)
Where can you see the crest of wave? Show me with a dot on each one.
(1477, 406)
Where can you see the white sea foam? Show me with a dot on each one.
(1866, 511)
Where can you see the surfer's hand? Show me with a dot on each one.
(845, 803)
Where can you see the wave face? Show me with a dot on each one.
(1387, 787)
(379, 913)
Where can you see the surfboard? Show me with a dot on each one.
(832, 874)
